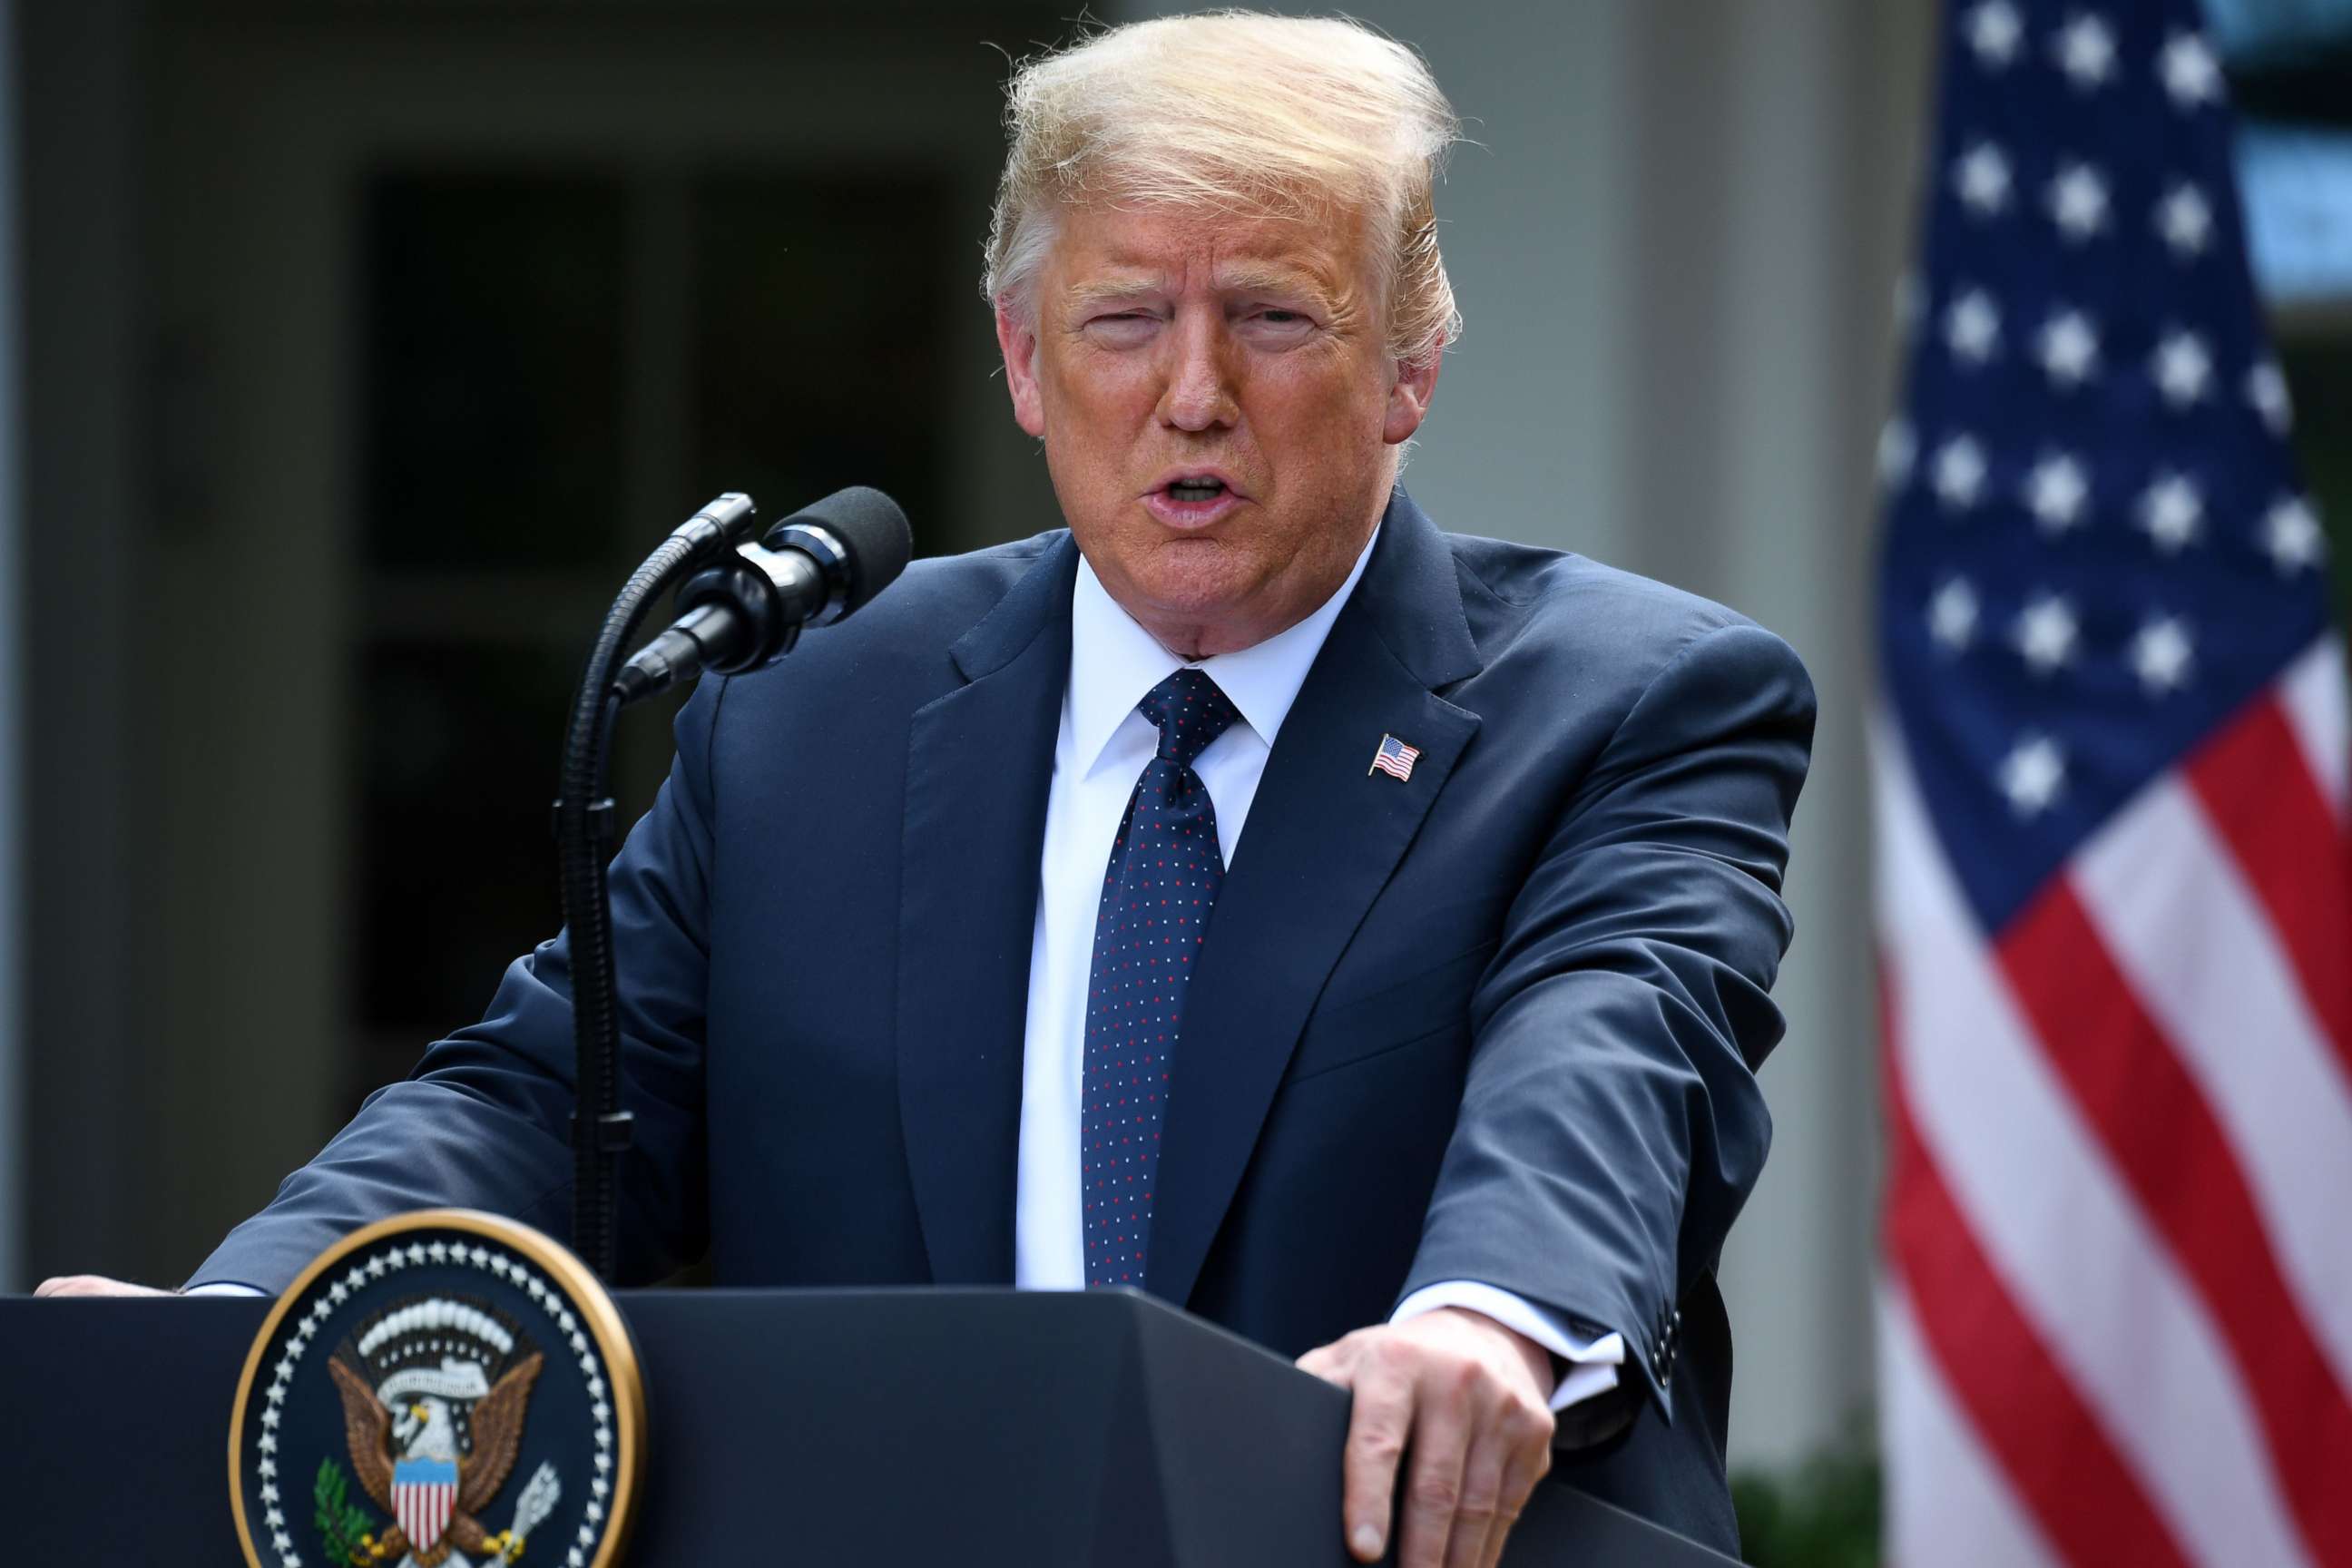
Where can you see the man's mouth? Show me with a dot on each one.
(1195, 489)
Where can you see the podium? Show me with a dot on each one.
(875, 1428)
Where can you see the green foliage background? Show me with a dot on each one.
(1822, 1514)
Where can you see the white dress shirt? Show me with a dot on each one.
(1104, 743)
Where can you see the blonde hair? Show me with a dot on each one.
(1238, 111)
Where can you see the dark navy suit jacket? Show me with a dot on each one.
(1498, 1022)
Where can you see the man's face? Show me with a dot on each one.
(1220, 412)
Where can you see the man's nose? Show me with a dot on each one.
(1198, 394)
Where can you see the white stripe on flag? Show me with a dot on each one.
(2075, 1254)
(2179, 920)
(1948, 1503)
(2312, 692)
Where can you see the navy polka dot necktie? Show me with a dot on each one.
(1158, 890)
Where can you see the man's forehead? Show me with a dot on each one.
(1107, 251)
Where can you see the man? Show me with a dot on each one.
(945, 956)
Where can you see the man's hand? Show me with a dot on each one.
(1471, 1399)
(94, 1285)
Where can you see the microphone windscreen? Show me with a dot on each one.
(873, 533)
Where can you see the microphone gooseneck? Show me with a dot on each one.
(584, 839)
(746, 610)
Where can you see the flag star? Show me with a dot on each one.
(2266, 390)
(2172, 512)
(1898, 449)
(2162, 654)
(2055, 492)
(2291, 534)
(2086, 51)
(2191, 75)
(2182, 368)
(2045, 633)
(1993, 32)
(1972, 327)
(1959, 473)
(2032, 775)
(1952, 614)
(2184, 218)
(2069, 348)
(2078, 200)
(1982, 176)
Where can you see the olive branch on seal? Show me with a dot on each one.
(344, 1526)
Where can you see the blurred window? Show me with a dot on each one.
(561, 364)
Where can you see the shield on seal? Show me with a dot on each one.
(423, 1493)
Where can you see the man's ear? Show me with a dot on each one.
(1408, 396)
(1018, 342)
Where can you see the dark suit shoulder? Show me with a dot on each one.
(1532, 610)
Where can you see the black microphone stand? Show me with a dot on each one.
(585, 834)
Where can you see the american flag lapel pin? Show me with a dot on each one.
(1394, 758)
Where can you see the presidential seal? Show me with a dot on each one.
(440, 1388)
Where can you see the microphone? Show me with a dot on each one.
(811, 569)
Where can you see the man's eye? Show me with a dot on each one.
(1120, 326)
(1277, 319)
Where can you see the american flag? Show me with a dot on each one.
(2116, 1313)
(1394, 757)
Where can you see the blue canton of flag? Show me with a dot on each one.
(2097, 550)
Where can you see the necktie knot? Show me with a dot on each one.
(1191, 712)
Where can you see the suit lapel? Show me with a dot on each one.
(1323, 836)
(979, 762)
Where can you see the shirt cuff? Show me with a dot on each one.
(1593, 1361)
(222, 1288)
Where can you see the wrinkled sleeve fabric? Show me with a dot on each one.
(483, 1121)
(1610, 1124)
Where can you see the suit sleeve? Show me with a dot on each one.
(1610, 1124)
(484, 1120)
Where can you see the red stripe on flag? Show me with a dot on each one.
(2168, 1147)
(2046, 1439)
(2258, 789)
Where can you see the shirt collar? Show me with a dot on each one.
(1114, 662)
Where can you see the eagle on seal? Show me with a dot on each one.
(425, 1432)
